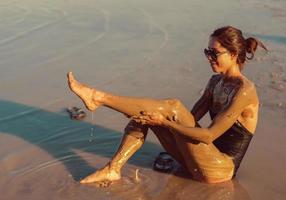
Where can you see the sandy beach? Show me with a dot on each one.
(132, 48)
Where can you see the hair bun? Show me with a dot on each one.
(251, 46)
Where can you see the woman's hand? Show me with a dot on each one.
(151, 118)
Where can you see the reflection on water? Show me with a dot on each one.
(178, 186)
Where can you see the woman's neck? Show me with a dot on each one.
(233, 71)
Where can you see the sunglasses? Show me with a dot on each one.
(213, 54)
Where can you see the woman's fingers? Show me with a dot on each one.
(150, 114)
(152, 118)
(143, 119)
(140, 119)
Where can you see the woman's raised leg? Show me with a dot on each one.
(129, 106)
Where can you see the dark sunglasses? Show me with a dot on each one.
(213, 54)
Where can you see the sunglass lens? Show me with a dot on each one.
(210, 53)
(213, 55)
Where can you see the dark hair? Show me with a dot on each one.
(232, 39)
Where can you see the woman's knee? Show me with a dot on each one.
(180, 112)
(136, 130)
(174, 103)
(177, 105)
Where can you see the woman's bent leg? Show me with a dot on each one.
(132, 140)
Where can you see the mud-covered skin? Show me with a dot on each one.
(177, 128)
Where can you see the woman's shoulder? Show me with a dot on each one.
(248, 89)
(247, 84)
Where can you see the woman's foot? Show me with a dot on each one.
(106, 174)
(90, 97)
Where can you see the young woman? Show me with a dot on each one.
(212, 154)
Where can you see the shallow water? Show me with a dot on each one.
(135, 48)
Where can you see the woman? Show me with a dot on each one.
(211, 154)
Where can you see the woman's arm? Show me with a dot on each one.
(221, 123)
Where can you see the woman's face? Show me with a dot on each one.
(222, 61)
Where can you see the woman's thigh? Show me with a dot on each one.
(205, 161)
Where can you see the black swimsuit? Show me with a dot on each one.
(234, 142)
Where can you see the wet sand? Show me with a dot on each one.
(145, 48)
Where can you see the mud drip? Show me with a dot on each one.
(91, 129)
